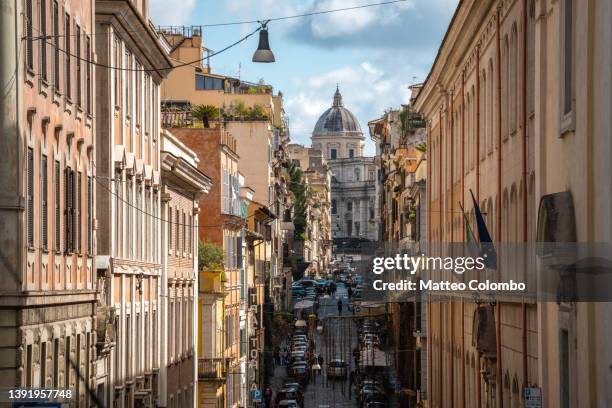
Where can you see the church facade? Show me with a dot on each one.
(354, 211)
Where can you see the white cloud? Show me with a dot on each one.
(368, 89)
(164, 13)
(352, 21)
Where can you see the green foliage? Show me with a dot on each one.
(204, 113)
(240, 109)
(257, 111)
(210, 256)
(422, 147)
(299, 190)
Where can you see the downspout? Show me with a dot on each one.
(440, 126)
(451, 231)
(500, 388)
(429, 146)
(463, 233)
(524, 171)
(478, 380)
(452, 164)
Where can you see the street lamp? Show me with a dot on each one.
(263, 52)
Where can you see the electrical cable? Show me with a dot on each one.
(258, 21)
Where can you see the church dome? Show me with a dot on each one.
(337, 119)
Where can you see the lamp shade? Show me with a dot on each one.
(263, 52)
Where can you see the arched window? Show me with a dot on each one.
(334, 206)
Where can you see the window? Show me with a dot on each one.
(29, 36)
(56, 201)
(567, 65)
(357, 174)
(564, 369)
(43, 40)
(128, 87)
(138, 76)
(333, 154)
(78, 65)
(56, 56)
(67, 51)
(89, 207)
(334, 206)
(117, 72)
(88, 76)
(204, 82)
(44, 181)
(349, 206)
(77, 214)
(67, 358)
(351, 153)
(55, 363)
(30, 197)
(170, 212)
(178, 231)
(184, 232)
(68, 187)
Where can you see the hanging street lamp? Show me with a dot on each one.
(263, 52)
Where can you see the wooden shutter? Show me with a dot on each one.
(30, 218)
(44, 212)
(43, 40)
(29, 35)
(58, 182)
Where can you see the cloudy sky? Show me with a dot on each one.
(374, 53)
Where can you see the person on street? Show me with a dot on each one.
(350, 292)
(340, 306)
(268, 396)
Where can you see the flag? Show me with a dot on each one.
(470, 239)
(487, 249)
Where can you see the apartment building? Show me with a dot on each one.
(513, 105)
(182, 187)
(129, 258)
(221, 225)
(48, 279)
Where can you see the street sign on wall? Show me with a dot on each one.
(533, 397)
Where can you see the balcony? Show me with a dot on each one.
(211, 369)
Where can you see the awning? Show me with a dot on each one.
(373, 357)
(303, 304)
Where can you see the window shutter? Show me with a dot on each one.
(89, 207)
(67, 37)
(58, 181)
(56, 52)
(43, 196)
(43, 41)
(30, 218)
(77, 214)
(239, 252)
(68, 225)
(29, 35)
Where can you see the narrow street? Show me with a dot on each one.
(337, 341)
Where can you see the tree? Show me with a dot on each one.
(210, 256)
(299, 190)
(205, 113)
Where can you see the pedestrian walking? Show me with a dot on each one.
(350, 292)
(340, 306)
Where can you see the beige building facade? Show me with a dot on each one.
(129, 260)
(515, 106)
(182, 186)
(46, 206)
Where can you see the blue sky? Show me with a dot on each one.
(374, 53)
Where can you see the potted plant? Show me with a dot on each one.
(205, 113)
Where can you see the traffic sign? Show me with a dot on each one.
(533, 397)
(256, 395)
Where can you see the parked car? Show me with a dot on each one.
(291, 393)
(337, 368)
(300, 371)
(289, 404)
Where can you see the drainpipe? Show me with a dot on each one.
(524, 174)
(452, 162)
(440, 126)
(463, 233)
(429, 182)
(500, 388)
(478, 380)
